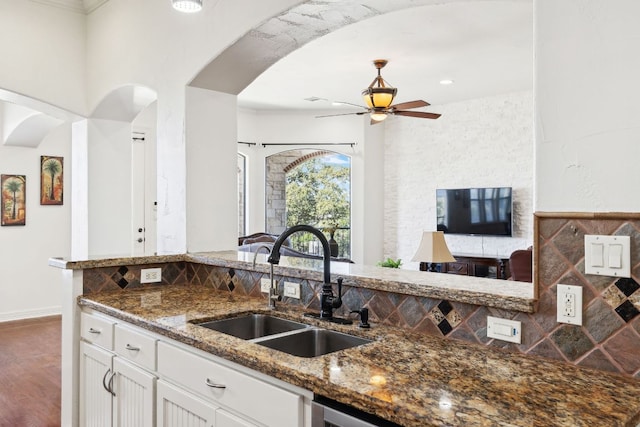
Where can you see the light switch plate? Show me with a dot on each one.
(607, 255)
(504, 329)
(569, 304)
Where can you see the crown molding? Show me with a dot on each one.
(80, 6)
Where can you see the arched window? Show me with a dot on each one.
(310, 187)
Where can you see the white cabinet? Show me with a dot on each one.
(177, 408)
(225, 419)
(113, 391)
(133, 378)
(134, 395)
(256, 399)
(95, 373)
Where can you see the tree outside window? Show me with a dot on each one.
(318, 193)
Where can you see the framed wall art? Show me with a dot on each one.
(51, 180)
(14, 190)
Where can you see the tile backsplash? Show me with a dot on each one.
(609, 338)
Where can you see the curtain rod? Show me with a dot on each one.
(264, 144)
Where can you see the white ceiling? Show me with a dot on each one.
(486, 47)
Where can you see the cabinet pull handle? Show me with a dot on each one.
(132, 348)
(104, 380)
(94, 331)
(108, 387)
(111, 384)
(214, 385)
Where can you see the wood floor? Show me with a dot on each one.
(30, 373)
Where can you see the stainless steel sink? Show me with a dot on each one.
(312, 342)
(253, 326)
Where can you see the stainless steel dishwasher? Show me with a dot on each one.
(329, 413)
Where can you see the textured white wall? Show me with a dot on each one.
(587, 132)
(479, 143)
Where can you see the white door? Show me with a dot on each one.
(95, 376)
(177, 408)
(134, 396)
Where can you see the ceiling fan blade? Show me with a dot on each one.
(359, 113)
(349, 103)
(419, 114)
(411, 104)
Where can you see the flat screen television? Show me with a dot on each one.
(475, 211)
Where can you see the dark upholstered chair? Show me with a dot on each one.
(521, 265)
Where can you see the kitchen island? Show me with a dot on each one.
(412, 380)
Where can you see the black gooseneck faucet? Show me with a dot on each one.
(328, 301)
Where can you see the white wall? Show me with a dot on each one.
(43, 53)
(28, 286)
(478, 143)
(212, 199)
(587, 132)
(109, 198)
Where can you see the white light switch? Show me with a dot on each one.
(615, 256)
(597, 254)
(607, 255)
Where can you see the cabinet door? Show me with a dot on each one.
(95, 399)
(225, 419)
(178, 408)
(134, 398)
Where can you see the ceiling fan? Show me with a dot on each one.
(378, 98)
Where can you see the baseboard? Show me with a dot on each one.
(30, 314)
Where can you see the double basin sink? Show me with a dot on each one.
(284, 335)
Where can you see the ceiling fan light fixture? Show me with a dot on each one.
(379, 97)
(378, 116)
(187, 6)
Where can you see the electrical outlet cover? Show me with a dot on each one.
(151, 275)
(569, 305)
(504, 329)
(292, 290)
(265, 282)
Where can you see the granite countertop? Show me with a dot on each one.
(413, 380)
(505, 294)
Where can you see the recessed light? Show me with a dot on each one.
(187, 6)
(446, 82)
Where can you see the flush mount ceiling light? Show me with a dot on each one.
(187, 6)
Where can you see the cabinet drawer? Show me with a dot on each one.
(458, 268)
(227, 387)
(135, 346)
(97, 330)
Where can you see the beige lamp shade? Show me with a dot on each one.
(433, 248)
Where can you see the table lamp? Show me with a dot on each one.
(432, 250)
